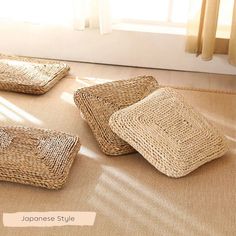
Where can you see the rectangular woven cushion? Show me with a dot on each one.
(30, 75)
(36, 157)
(169, 133)
(97, 103)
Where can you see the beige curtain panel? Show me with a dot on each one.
(209, 32)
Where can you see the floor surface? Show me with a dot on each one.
(129, 195)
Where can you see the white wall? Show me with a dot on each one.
(144, 49)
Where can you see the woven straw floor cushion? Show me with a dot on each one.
(28, 75)
(169, 133)
(36, 157)
(97, 103)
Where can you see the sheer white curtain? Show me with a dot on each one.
(92, 14)
(70, 13)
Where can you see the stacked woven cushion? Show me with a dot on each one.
(169, 133)
(37, 157)
(29, 75)
(97, 103)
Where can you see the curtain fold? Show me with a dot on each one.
(209, 28)
(105, 19)
(202, 30)
(79, 8)
(232, 42)
(93, 14)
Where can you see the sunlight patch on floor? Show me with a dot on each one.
(89, 81)
(2, 117)
(10, 114)
(124, 194)
(221, 122)
(88, 152)
(111, 214)
(129, 201)
(15, 113)
(232, 139)
(67, 97)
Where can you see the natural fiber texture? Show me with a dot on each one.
(29, 75)
(169, 133)
(36, 157)
(99, 102)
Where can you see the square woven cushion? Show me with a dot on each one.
(36, 157)
(29, 75)
(97, 103)
(169, 133)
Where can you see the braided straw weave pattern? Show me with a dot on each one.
(99, 102)
(169, 133)
(36, 157)
(29, 75)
